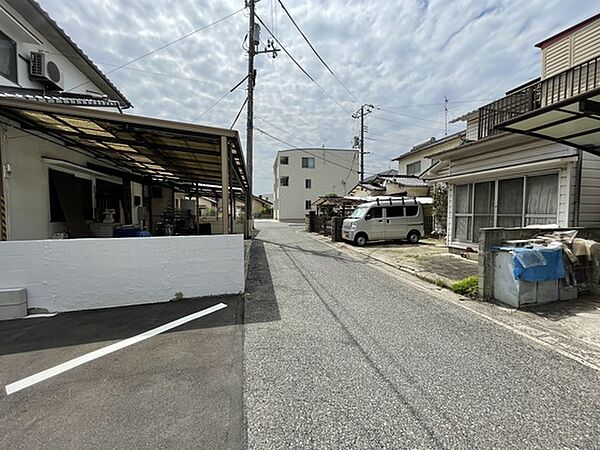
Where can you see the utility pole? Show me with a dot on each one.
(361, 113)
(253, 42)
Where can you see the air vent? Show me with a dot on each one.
(45, 71)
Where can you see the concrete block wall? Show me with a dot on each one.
(492, 237)
(77, 274)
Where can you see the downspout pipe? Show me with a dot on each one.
(577, 205)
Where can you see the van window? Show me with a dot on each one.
(412, 211)
(376, 213)
(395, 211)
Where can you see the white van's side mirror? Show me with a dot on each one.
(368, 217)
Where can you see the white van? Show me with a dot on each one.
(385, 220)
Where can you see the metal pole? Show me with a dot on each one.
(362, 143)
(250, 109)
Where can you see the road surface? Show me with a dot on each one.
(340, 354)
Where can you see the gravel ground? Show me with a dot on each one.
(339, 354)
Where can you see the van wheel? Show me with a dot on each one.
(413, 237)
(360, 240)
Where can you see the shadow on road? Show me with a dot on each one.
(261, 302)
(83, 327)
(332, 253)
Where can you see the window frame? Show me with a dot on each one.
(308, 160)
(307, 183)
(287, 181)
(524, 215)
(13, 44)
(410, 166)
(284, 160)
(309, 204)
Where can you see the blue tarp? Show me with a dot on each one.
(553, 269)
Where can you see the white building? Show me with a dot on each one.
(303, 175)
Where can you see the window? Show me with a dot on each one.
(376, 213)
(508, 203)
(412, 211)
(308, 163)
(284, 160)
(308, 183)
(8, 58)
(307, 204)
(395, 211)
(414, 168)
(69, 196)
(284, 181)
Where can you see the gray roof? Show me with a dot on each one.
(408, 181)
(384, 174)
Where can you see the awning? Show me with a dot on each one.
(574, 122)
(180, 154)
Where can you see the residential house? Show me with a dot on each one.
(532, 157)
(69, 157)
(417, 160)
(390, 183)
(303, 175)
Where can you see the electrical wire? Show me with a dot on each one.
(317, 53)
(302, 68)
(408, 116)
(281, 141)
(162, 47)
(239, 112)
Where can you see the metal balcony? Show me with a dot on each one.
(576, 80)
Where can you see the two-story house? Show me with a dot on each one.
(71, 160)
(303, 175)
(531, 157)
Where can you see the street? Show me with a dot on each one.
(340, 354)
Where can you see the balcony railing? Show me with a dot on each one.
(574, 81)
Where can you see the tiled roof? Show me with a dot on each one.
(74, 101)
(408, 181)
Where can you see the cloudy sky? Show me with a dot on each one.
(402, 56)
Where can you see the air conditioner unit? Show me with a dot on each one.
(45, 70)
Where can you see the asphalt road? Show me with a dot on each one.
(179, 389)
(340, 354)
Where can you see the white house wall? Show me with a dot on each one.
(27, 186)
(71, 75)
(76, 274)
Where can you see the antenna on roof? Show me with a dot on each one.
(446, 115)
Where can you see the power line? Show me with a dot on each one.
(317, 53)
(408, 116)
(300, 67)
(281, 141)
(162, 47)
(238, 114)
(408, 124)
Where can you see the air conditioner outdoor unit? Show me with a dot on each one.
(45, 70)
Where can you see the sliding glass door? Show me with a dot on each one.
(506, 203)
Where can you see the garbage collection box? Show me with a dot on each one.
(13, 303)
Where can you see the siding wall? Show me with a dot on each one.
(589, 213)
(571, 50)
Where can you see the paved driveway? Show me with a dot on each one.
(340, 354)
(179, 389)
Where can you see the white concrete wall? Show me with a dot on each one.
(70, 275)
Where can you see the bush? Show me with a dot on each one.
(467, 286)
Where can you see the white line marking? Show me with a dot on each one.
(56, 370)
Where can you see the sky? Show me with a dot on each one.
(402, 56)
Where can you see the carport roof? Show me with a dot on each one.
(160, 150)
(574, 122)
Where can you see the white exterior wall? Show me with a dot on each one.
(589, 208)
(76, 274)
(410, 159)
(327, 178)
(26, 188)
(28, 39)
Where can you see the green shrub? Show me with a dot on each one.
(467, 286)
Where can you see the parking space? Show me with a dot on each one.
(180, 388)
